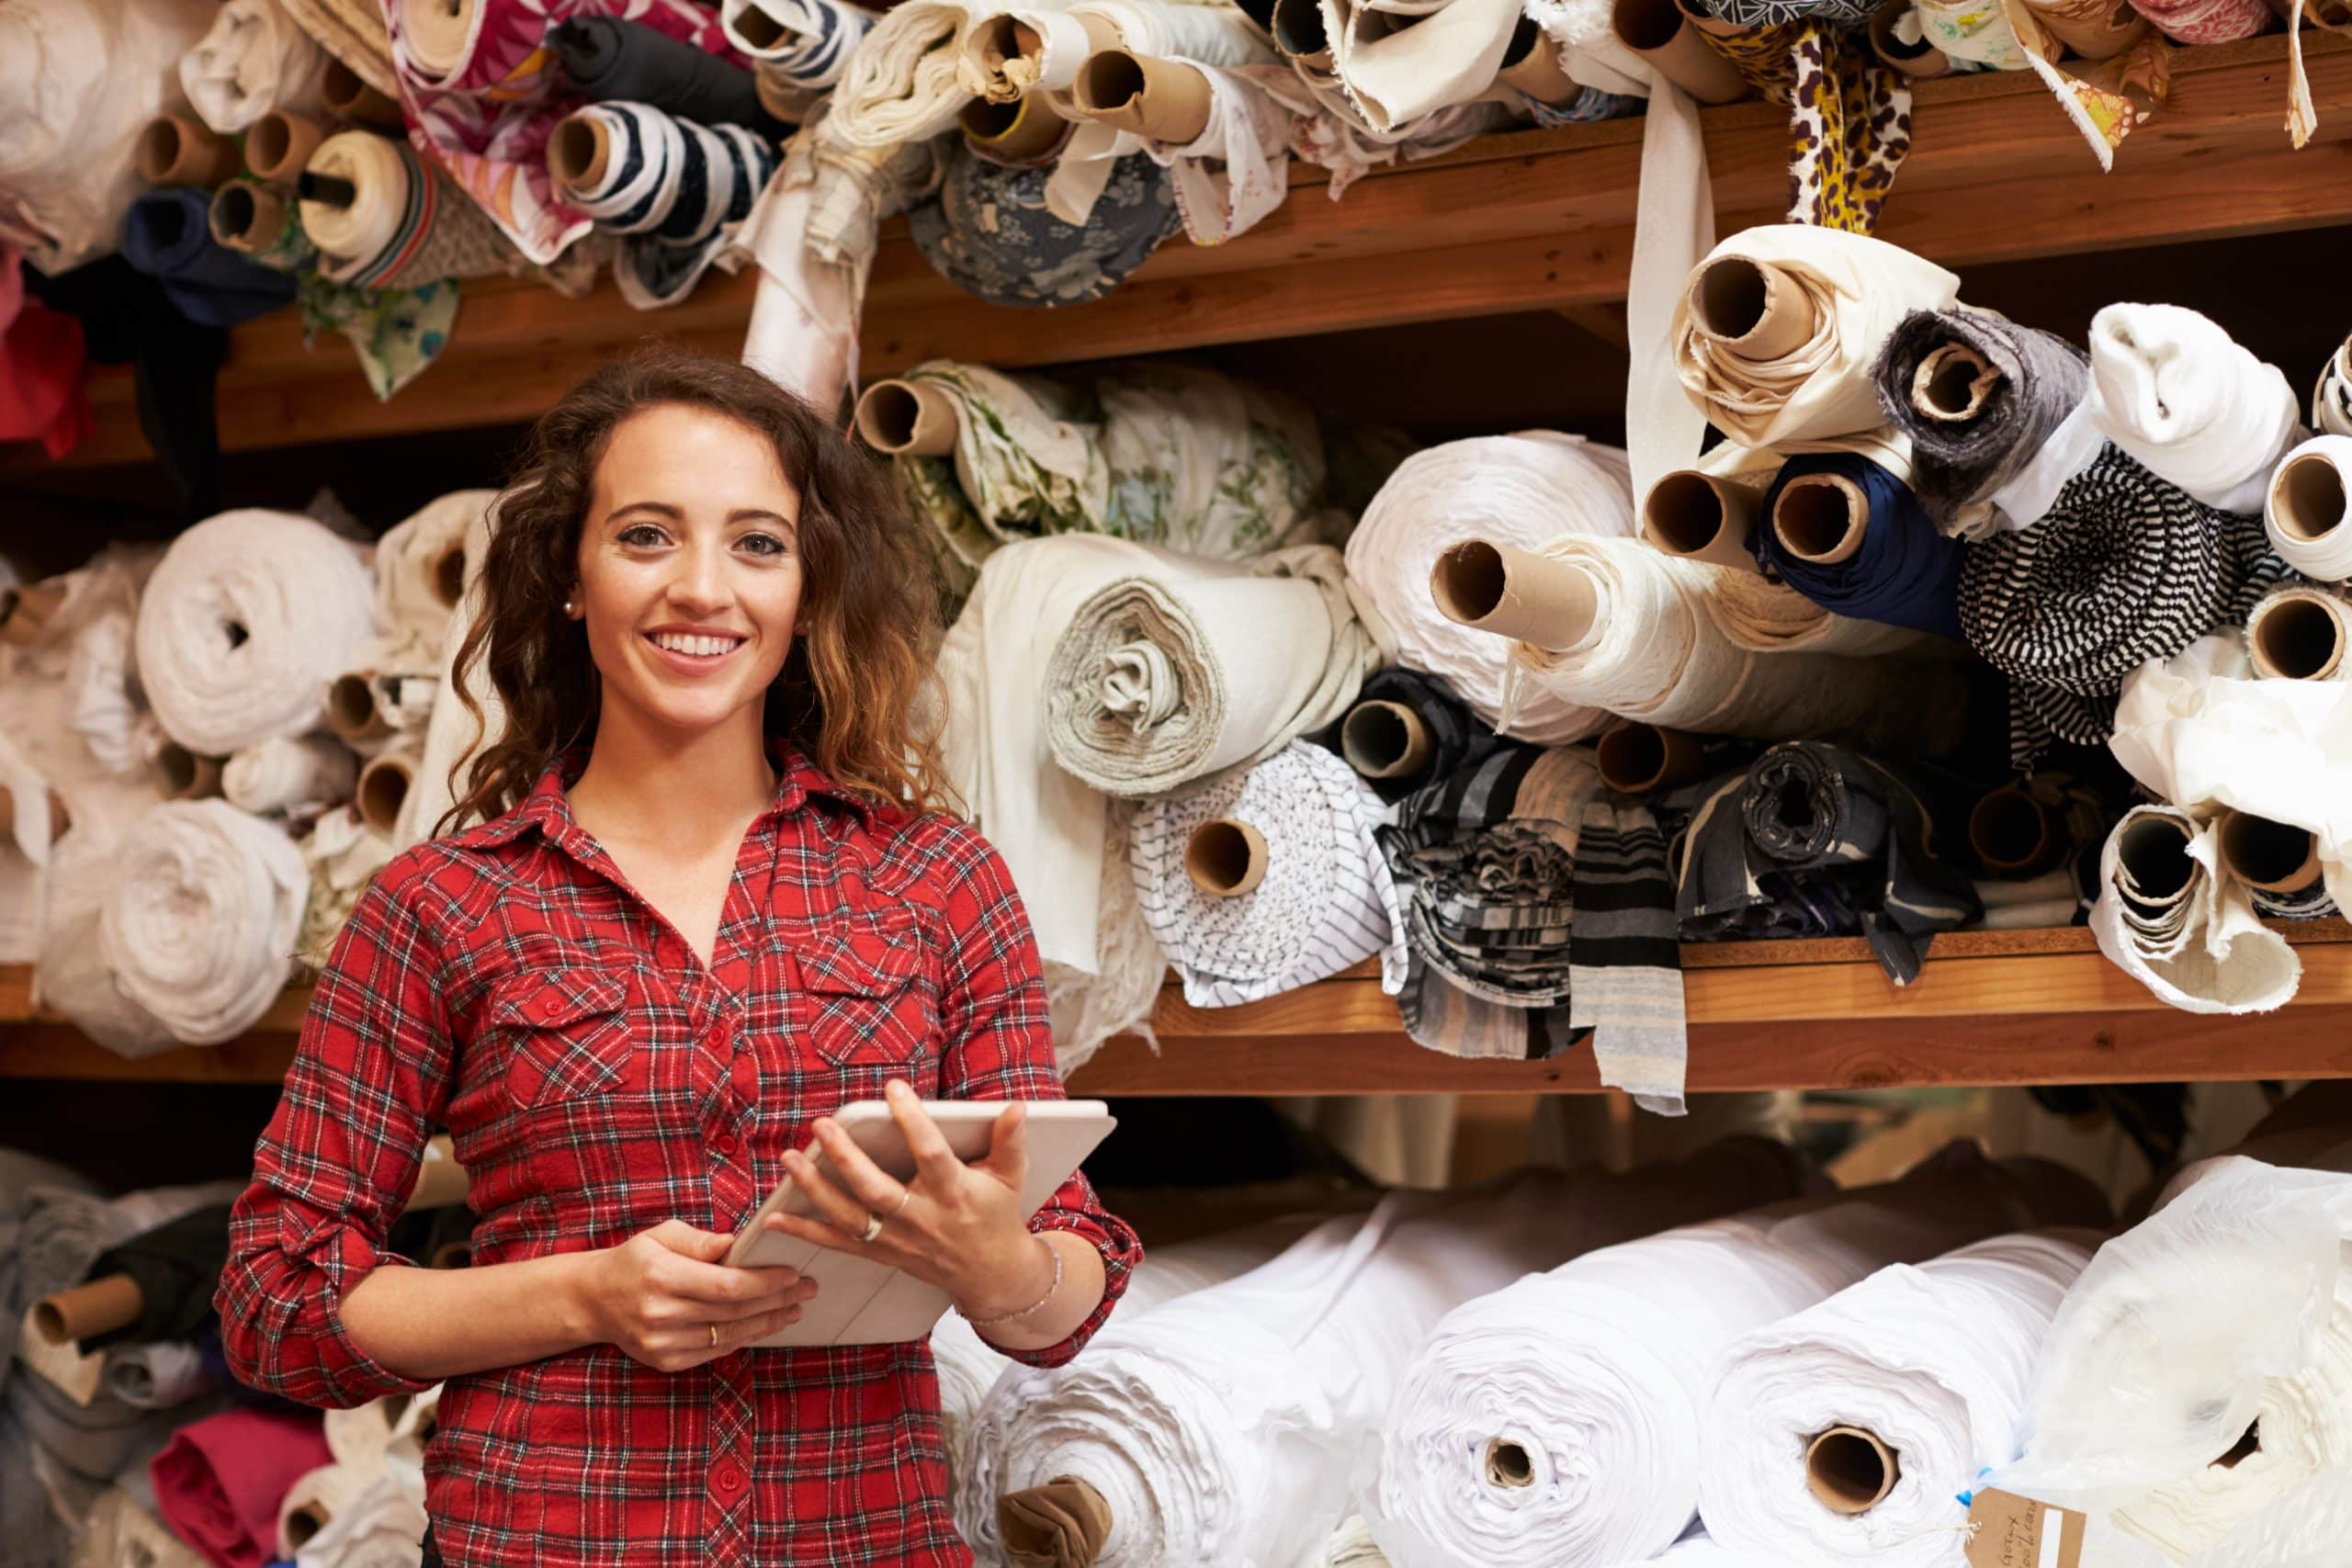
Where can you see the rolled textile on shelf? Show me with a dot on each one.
(899, 83)
(802, 44)
(421, 571)
(383, 787)
(1777, 332)
(1009, 53)
(452, 735)
(1979, 397)
(667, 185)
(1927, 1365)
(1407, 730)
(200, 918)
(1321, 899)
(606, 59)
(2331, 393)
(71, 968)
(1023, 135)
(2126, 568)
(176, 150)
(364, 1436)
(247, 616)
(1399, 66)
(255, 220)
(1660, 33)
(313, 1501)
(219, 1480)
(1221, 1428)
(1233, 170)
(1814, 840)
(1518, 489)
(279, 146)
(253, 61)
(382, 1525)
(2300, 634)
(2277, 862)
(358, 87)
(2054, 898)
(285, 773)
(1559, 1421)
(2168, 918)
(994, 234)
(2206, 21)
(158, 1376)
(2305, 510)
(167, 234)
(1851, 537)
(1190, 667)
(2176, 394)
(405, 223)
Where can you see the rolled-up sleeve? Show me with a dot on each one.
(336, 1165)
(1000, 1045)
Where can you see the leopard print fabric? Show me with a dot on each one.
(1850, 118)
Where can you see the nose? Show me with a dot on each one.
(701, 587)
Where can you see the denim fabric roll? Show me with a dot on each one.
(1852, 538)
(610, 60)
(167, 235)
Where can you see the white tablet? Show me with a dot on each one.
(860, 1302)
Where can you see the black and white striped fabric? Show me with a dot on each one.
(1625, 965)
(2123, 569)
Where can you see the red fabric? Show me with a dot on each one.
(219, 1482)
(41, 368)
(598, 1080)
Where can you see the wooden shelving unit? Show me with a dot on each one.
(1991, 1008)
(1536, 219)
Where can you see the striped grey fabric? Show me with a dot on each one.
(1625, 965)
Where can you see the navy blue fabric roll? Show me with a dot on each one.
(1904, 574)
(990, 232)
(166, 236)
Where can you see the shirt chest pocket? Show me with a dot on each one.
(867, 994)
(565, 1033)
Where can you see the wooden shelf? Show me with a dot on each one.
(1536, 219)
(1991, 1008)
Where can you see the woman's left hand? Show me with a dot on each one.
(955, 1225)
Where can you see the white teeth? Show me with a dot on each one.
(702, 647)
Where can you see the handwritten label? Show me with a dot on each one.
(2009, 1531)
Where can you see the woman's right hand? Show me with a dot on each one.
(658, 1294)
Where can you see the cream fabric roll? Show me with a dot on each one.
(2176, 394)
(1859, 290)
(1559, 1422)
(253, 61)
(313, 1501)
(1237, 170)
(1400, 61)
(2199, 946)
(899, 84)
(1183, 668)
(245, 620)
(296, 776)
(1933, 1360)
(365, 1436)
(2327, 556)
(452, 735)
(200, 922)
(411, 608)
(343, 854)
(1518, 489)
(382, 1527)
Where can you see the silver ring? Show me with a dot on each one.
(873, 1228)
(714, 1336)
(905, 1198)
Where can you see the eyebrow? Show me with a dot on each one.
(677, 514)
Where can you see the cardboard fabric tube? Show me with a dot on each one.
(1706, 518)
(580, 152)
(1634, 758)
(1914, 55)
(1022, 134)
(99, 1308)
(1659, 33)
(383, 784)
(184, 774)
(247, 215)
(760, 27)
(2307, 497)
(59, 818)
(177, 152)
(452, 1254)
(1063, 1524)
(1508, 1465)
(1850, 1470)
(353, 712)
(1510, 593)
(2154, 854)
(2011, 833)
(1384, 740)
(2298, 637)
(1299, 33)
(1532, 65)
(26, 611)
(353, 99)
(1952, 384)
(1821, 518)
(1162, 100)
(907, 417)
(1754, 311)
(1224, 857)
(280, 144)
(2277, 857)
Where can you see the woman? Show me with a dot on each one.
(709, 904)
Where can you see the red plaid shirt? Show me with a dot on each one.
(507, 983)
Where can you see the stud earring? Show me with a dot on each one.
(569, 609)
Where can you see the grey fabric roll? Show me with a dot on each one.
(2039, 381)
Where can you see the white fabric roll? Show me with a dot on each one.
(245, 621)
(2328, 557)
(1221, 1428)
(900, 82)
(1589, 1382)
(1400, 61)
(1699, 1551)
(1518, 489)
(253, 61)
(72, 971)
(299, 776)
(343, 854)
(411, 612)
(1185, 668)
(382, 1527)
(1933, 1360)
(2200, 947)
(2229, 1308)
(314, 1500)
(366, 1436)
(1859, 289)
(201, 924)
(1326, 899)
(1655, 653)
(2177, 395)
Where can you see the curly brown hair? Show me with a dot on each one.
(855, 688)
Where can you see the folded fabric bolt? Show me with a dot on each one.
(802, 45)
(2126, 568)
(1189, 667)
(1484, 863)
(606, 59)
(1415, 704)
(2304, 508)
(1518, 489)
(2176, 394)
(1979, 397)
(1816, 840)
(1221, 1428)
(1323, 898)
(1558, 1421)
(166, 235)
(2168, 918)
(669, 186)
(1932, 1360)
(253, 61)
(1900, 571)
(247, 618)
(200, 918)
(991, 234)
(1786, 351)
(219, 1484)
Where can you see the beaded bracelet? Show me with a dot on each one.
(1051, 1290)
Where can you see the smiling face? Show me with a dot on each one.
(689, 568)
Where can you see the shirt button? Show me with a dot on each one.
(727, 1144)
(549, 1004)
(730, 1479)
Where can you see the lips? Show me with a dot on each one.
(695, 653)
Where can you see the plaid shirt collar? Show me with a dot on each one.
(548, 807)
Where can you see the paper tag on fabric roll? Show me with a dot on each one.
(2008, 1531)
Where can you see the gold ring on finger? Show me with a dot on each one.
(714, 1336)
(905, 1198)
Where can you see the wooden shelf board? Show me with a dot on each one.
(1536, 219)
(1991, 1008)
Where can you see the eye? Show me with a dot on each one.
(764, 545)
(641, 536)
